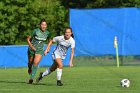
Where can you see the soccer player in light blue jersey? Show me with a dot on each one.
(63, 43)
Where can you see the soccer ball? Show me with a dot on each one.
(125, 83)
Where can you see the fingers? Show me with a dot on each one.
(70, 65)
(46, 52)
(33, 48)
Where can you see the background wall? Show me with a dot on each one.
(16, 56)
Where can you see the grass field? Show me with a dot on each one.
(79, 79)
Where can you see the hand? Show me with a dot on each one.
(71, 64)
(45, 52)
(33, 48)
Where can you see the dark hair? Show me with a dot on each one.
(71, 31)
(43, 20)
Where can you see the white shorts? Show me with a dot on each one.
(57, 55)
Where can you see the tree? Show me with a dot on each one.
(19, 18)
(11, 19)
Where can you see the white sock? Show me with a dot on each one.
(59, 74)
(47, 72)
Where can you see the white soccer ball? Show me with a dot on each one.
(125, 83)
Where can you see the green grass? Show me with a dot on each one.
(93, 79)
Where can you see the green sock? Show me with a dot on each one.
(29, 65)
(34, 69)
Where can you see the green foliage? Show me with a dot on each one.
(19, 17)
(100, 3)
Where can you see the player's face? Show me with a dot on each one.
(68, 33)
(43, 26)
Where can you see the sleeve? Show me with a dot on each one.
(33, 34)
(56, 39)
(73, 44)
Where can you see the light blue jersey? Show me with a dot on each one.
(62, 46)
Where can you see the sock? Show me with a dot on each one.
(47, 72)
(34, 69)
(29, 65)
(59, 73)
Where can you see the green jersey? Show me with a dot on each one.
(38, 39)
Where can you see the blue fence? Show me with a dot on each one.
(95, 29)
(16, 56)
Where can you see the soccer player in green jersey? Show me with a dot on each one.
(35, 51)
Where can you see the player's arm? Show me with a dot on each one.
(51, 41)
(29, 40)
(71, 57)
(29, 43)
(72, 53)
(48, 47)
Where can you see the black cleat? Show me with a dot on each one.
(40, 77)
(59, 83)
(30, 81)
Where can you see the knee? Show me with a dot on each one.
(60, 66)
(30, 60)
(35, 63)
(52, 70)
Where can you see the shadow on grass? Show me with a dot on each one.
(20, 82)
(43, 84)
(119, 86)
(38, 84)
(11, 81)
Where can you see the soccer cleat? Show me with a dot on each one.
(59, 83)
(29, 71)
(30, 81)
(40, 77)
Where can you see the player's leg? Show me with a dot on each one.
(36, 61)
(59, 71)
(47, 72)
(50, 69)
(30, 60)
